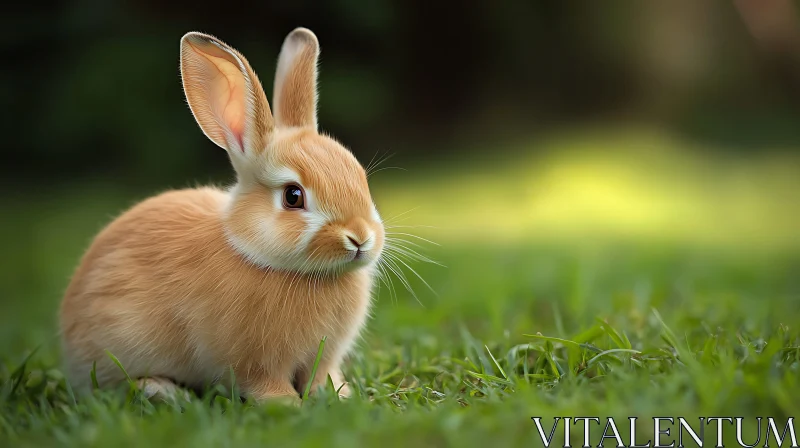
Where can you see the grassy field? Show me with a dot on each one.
(679, 297)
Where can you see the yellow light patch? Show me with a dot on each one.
(634, 188)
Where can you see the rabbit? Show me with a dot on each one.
(191, 283)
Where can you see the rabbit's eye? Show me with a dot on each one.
(293, 197)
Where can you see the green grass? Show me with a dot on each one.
(514, 333)
(538, 323)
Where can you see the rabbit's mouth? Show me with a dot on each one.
(356, 259)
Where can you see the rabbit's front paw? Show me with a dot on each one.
(275, 392)
(162, 389)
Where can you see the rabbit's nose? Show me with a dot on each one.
(359, 242)
(354, 241)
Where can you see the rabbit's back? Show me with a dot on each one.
(126, 295)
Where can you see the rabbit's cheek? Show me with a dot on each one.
(314, 221)
(326, 245)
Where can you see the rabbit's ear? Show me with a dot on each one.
(225, 95)
(295, 94)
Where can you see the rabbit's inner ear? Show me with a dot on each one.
(224, 94)
(295, 93)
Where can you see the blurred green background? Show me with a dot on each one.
(623, 121)
(575, 160)
(560, 123)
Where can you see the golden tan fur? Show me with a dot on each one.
(190, 283)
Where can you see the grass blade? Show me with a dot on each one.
(233, 386)
(502, 372)
(608, 352)
(93, 375)
(307, 390)
(19, 372)
(565, 342)
(119, 364)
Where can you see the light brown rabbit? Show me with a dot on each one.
(189, 283)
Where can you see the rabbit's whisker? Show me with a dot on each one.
(413, 271)
(413, 236)
(389, 220)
